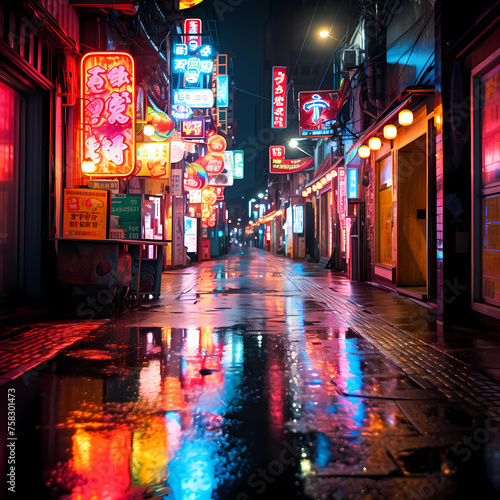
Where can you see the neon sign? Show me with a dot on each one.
(194, 98)
(318, 112)
(239, 164)
(342, 208)
(108, 113)
(192, 28)
(279, 97)
(352, 183)
(222, 91)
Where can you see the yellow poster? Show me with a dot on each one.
(153, 159)
(85, 213)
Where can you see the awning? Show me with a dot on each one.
(325, 172)
(410, 95)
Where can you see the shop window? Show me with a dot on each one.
(487, 153)
(384, 212)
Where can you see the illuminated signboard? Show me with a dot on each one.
(194, 98)
(222, 91)
(226, 177)
(276, 153)
(190, 234)
(318, 112)
(341, 186)
(239, 164)
(279, 97)
(187, 4)
(153, 159)
(192, 28)
(85, 214)
(192, 62)
(352, 183)
(298, 219)
(289, 166)
(108, 113)
(193, 128)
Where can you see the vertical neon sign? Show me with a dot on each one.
(276, 153)
(342, 192)
(279, 97)
(108, 113)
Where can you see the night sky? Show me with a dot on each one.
(260, 34)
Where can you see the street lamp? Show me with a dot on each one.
(326, 34)
(294, 144)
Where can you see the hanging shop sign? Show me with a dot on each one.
(213, 163)
(181, 111)
(195, 177)
(192, 61)
(222, 82)
(216, 144)
(176, 182)
(352, 183)
(112, 185)
(192, 30)
(193, 98)
(153, 159)
(276, 153)
(298, 219)
(239, 164)
(318, 112)
(108, 113)
(279, 97)
(290, 166)
(86, 214)
(193, 128)
(342, 200)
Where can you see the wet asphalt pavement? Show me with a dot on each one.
(253, 377)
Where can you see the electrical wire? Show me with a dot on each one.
(305, 38)
(250, 93)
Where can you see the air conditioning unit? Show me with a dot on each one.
(351, 59)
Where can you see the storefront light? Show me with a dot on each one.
(323, 181)
(148, 129)
(314, 188)
(364, 151)
(88, 166)
(304, 193)
(390, 131)
(405, 117)
(328, 176)
(309, 190)
(374, 143)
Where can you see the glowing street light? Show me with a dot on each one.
(326, 34)
(294, 144)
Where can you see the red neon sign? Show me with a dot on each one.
(192, 28)
(279, 97)
(108, 113)
(342, 196)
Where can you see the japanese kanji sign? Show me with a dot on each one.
(279, 97)
(108, 113)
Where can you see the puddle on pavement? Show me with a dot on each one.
(228, 413)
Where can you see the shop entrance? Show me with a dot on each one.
(10, 106)
(412, 217)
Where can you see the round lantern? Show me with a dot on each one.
(374, 143)
(364, 151)
(405, 117)
(390, 131)
(88, 166)
(148, 129)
